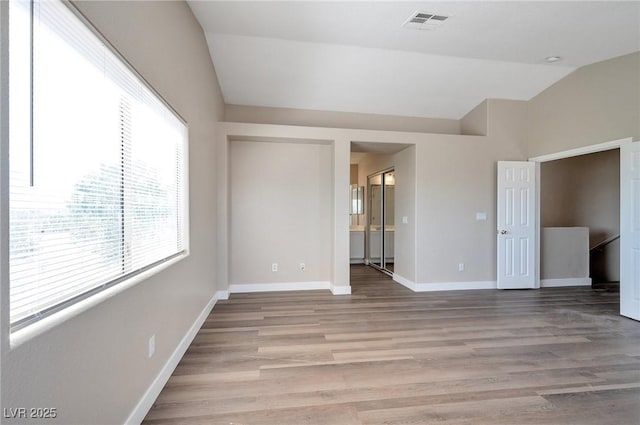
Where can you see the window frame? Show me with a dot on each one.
(25, 328)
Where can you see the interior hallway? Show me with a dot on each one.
(386, 355)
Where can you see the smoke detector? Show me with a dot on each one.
(424, 21)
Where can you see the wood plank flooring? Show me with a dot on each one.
(386, 355)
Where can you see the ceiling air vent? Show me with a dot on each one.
(424, 21)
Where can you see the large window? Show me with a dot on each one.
(96, 165)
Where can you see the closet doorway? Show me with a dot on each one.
(380, 224)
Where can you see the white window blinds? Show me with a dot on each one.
(96, 165)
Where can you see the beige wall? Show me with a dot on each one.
(303, 117)
(595, 104)
(353, 179)
(475, 122)
(372, 163)
(405, 206)
(93, 367)
(281, 209)
(564, 252)
(584, 191)
(455, 177)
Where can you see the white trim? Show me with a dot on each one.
(34, 329)
(4, 181)
(222, 295)
(456, 286)
(537, 264)
(583, 150)
(186, 215)
(356, 261)
(152, 393)
(599, 147)
(404, 281)
(444, 286)
(272, 287)
(569, 281)
(340, 289)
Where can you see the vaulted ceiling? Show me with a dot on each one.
(358, 56)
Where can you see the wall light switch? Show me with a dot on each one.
(481, 216)
(405, 219)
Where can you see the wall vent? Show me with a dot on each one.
(424, 21)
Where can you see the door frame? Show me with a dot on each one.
(585, 150)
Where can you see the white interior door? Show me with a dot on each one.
(630, 230)
(516, 224)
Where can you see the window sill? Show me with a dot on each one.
(22, 336)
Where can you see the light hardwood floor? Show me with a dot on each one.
(385, 355)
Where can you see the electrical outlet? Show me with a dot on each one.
(302, 267)
(461, 267)
(274, 267)
(152, 345)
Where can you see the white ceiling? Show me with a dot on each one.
(356, 57)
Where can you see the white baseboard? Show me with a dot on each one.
(445, 286)
(356, 261)
(570, 281)
(222, 295)
(237, 288)
(404, 282)
(456, 286)
(152, 393)
(340, 289)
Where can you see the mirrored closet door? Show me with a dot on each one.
(380, 223)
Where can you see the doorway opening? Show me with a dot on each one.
(629, 262)
(383, 172)
(580, 220)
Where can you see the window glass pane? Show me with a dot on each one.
(106, 196)
(154, 202)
